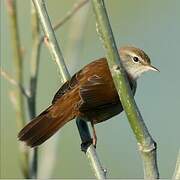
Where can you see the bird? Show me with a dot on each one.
(90, 94)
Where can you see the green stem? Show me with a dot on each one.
(17, 56)
(51, 39)
(58, 57)
(147, 146)
(18, 67)
(35, 56)
(88, 148)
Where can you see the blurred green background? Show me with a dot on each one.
(151, 25)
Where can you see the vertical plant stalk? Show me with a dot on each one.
(56, 52)
(18, 67)
(88, 148)
(18, 60)
(147, 145)
(176, 175)
(34, 67)
(51, 39)
(78, 13)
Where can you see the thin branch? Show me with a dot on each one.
(34, 69)
(176, 175)
(73, 49)
(18, 66)
(147, 146)
(77, 6)
(11, 6)
(12, 81)
(35, 57)
(70, 13)
(88, 148)
(56, 52)
(51, 40)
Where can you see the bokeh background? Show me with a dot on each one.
(151, 25)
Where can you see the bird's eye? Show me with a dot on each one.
(135, 59)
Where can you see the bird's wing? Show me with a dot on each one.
(97, 93)
(68, 85)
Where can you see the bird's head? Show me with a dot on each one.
(135, 61)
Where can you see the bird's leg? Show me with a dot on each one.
(94, 134)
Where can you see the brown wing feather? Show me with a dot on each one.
(67, 86)
(97, 92)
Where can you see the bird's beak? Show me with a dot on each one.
(152, 68)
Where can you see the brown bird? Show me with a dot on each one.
(90, 94)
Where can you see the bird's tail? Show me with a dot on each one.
(46, 124)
